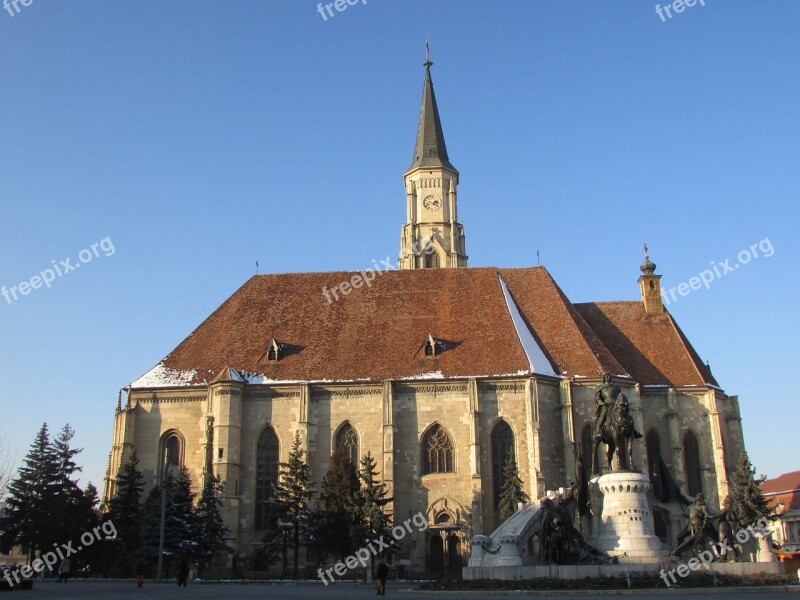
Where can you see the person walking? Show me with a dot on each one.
(383, 575)
(63, 570)
(183, 573)
(140, 573)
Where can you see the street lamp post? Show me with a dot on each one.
(284, 534)
(163, 517)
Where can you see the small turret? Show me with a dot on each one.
(650, 285)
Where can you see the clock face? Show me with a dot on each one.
(432, 203)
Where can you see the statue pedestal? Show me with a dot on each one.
(509, 553)
(765, 553)
(626, 524)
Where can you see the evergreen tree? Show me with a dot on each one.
(745, 490)
(291, 499)
(125, 512)
(338, 520)
(212, 530)
(32, 498)
(371, 501)
(181, 527)
(68, 508)
(511, 493)
(150, 528)
(86, 519)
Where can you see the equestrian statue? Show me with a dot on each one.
(613, 425)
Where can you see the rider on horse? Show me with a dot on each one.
(605, 395)
(616, 430)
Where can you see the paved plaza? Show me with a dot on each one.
(116, 590)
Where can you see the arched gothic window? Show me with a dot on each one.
(172, 451)
(430, 260)
(172, 447)
(437, 451)
(347, 437)
(267, 470)
(691, 461)
(502, 445)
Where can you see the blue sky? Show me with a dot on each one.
(202, 136)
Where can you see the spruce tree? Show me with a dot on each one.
(125, 512)
(68, 507)
(373, 498)
(511, 493)
(181, 531)
(149, 529)
(338, 519)
(32, 498)
(745, 490)
(212, 530)
(87, 519)
(291, 498)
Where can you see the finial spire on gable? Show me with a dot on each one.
(650, 285)
(648, 266)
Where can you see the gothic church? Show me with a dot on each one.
(438, 369)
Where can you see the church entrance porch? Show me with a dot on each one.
(445, 548)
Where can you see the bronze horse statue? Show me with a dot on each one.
(618, 433)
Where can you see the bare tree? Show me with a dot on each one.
(6, 466)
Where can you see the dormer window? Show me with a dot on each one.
(432, 347)
(273, 351)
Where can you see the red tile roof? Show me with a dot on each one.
(651, 348)
(783, 490)
(376, 333)
(562, 331)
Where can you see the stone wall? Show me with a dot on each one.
(546, 415)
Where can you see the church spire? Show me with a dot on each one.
(430, 149)
(432, 236)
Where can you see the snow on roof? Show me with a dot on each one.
(163, 376)
(536, 358)
(429, 375)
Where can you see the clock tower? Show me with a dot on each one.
(431, 237)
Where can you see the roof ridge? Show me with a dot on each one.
(781, 492)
